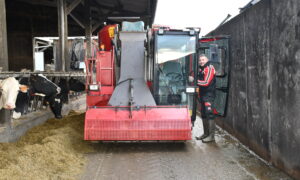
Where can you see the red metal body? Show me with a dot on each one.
(108, 123)
(103, 76)
(147, 123)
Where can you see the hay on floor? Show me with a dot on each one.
(54, 150)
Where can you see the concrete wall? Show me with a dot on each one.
(264, 100)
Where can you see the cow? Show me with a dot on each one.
(73, 85)
(9, 89)
(54, 95)
(52, 92)
(23, 100)
(39, 86)
(63, 84)
(76, 85)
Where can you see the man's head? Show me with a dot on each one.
(202, 60)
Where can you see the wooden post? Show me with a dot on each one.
(63, 52)
(4, 114)
(88, 28)
(5, 117)
(3, 37)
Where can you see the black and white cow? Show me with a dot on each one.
(68, 86)
(40, 84)
(55, 95)
(62, 97)
(63, 84)
(23, 100)
(76, 85)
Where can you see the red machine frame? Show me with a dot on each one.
(126, 123)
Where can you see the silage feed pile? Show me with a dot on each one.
(54, 150)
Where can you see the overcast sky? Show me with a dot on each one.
(207, 14)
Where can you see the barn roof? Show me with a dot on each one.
(104, 10)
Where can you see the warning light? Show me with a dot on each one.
(111, 32)
(102, 47)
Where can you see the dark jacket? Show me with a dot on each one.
(207, 82)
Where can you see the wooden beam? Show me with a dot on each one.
(73, 5)
(63, 52)
(4, 114)
(88, 27)
(77, 20)
(3, 37)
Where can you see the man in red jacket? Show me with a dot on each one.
(207, 88)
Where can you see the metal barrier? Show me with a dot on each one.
(36, 101)
(7, 74)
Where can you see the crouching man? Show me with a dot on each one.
(207, 86)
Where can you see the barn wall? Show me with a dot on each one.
(26, 21)
(264, 99)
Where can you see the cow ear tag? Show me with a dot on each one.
(23, 88)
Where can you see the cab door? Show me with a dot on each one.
(217, 50)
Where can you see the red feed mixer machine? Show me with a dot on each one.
(137, 85)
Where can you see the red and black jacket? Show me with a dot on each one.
(207, 82)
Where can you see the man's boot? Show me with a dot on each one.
(205, 129)
(211, 136)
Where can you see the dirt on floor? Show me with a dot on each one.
(54, 150)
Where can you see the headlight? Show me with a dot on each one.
(94, 87)
(160, 31)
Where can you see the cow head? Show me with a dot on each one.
(10, 88)
(56, 103)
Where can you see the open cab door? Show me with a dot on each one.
(217, 50)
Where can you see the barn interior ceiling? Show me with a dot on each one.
(109, 11)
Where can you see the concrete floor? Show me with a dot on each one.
(224, 160)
